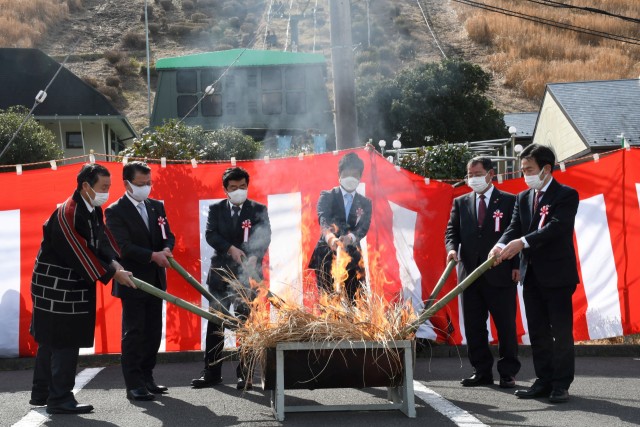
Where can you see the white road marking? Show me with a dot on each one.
(459, 416)
(38, 416)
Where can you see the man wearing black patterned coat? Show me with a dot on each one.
(76, 252)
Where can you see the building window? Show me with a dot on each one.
(296, 102)
(294, 78)
(186, 103)
(212, 105)
(74, 140)
(252, 78)
(272, 103)
(230, 81)
(271, 79)
(208, 77)
(186, 82)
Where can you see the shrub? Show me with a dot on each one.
(166, 4)
(233, 8)
(110, 92)
(406, 51)
(91, 81)
(478, 29)
(133, 40)
(187, 5)
(222, 144)
(234, 22)
(154, 28)
(247, 28)
(444, 161)
(402, 25)
(179, 30)
(113, 56)
(386, 54)
(199, 17)
(33, 143)
(75, 5)
(149, 13)
(223, 46)
(112, 81)
(126, 68)
(152, 70)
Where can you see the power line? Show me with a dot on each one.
(430, 30)
(560, 5)
(550, 22)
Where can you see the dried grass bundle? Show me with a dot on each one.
(334, 318)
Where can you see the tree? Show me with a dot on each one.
(445, 101)
(34, 143)
(444, 161)
(177, 141)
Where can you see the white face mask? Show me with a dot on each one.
(478, 183)
(238, 196)
(139, 192)
(349, 183)
(100, 199)
(534, 182)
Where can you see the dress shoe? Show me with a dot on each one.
(71, 407)
(155, 388)
(38, 401)
(476, 380)
(207, 379)
(534, 391)
(559, 395)
(140, 393)
(244, 384)
(507, 381)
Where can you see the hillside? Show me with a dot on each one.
(401, 35)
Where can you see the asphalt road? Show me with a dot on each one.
(606, 392)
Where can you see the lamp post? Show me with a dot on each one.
(512, 132)
(396, 146)
(146, 32)
(382, 143)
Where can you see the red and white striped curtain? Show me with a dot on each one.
(404, 254)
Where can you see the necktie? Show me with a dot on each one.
(348, 199)
(235, 216)
(539, 195)
(482, 210)
(143, 213)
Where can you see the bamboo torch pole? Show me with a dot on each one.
(193, 282)
(440, 284)
(426, 314)
(145, 287)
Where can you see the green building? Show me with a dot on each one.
(263, 92)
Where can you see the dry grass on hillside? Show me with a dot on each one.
(529, 55)
(24, 23)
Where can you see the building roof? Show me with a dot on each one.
(524, 123)
(601, 110)
(25, 72)
(239, 58)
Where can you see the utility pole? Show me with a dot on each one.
(344, 89)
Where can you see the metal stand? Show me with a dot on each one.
(401, 397)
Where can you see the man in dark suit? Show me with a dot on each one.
(541, 230)
(140, 227)
(76, 252)
(239, 231)
(344, 216)
(477, 221)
